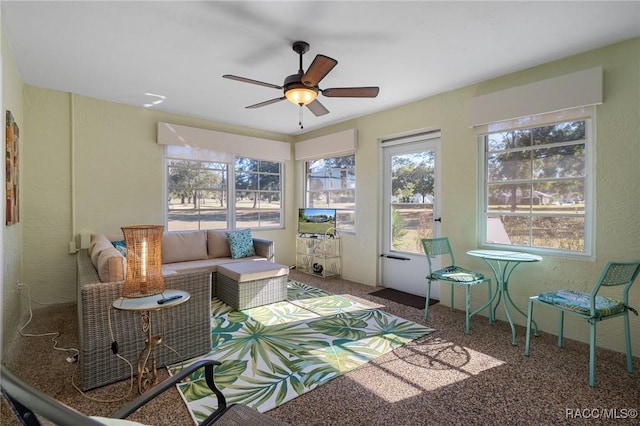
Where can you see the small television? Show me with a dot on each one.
(315, 221)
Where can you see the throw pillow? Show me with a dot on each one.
(97, 246)
(121, 246)
(240, 244)
(111, 265)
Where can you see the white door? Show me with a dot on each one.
(409, 211)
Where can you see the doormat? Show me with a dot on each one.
(273, 353)
(401, 297)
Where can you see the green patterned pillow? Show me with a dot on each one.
(240, 244)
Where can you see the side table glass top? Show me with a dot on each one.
(150, 303)
(504, 255)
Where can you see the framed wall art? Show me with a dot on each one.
(12, 169)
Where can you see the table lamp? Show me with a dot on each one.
(144, 261)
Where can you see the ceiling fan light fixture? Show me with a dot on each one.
(301, 95)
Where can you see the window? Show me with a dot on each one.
(197, 195)
(537, 191)
(199, 187)
(258, 193)
(331, 183)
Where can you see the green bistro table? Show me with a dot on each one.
(502, 263)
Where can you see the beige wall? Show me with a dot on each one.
(92, 166)
(11, 235)
(617, 153)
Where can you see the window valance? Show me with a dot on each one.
(333, 145)
(578, 89)
(244, 146)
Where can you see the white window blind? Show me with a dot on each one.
(536, 120)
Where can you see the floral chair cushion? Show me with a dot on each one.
(581, 302)
(456, 274)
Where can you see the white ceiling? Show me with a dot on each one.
(122, 50)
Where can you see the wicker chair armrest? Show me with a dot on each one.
(264, 248)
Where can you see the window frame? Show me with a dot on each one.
(234, 190)
(531, 122)
(307, 192)
(229, 160)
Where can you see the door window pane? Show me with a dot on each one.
(412, 186)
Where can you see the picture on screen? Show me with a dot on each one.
(316, 221)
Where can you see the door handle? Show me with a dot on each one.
(438, 220)
(390, 256)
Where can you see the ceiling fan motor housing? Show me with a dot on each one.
(294, 81)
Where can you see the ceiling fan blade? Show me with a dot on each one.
(317, 108)
(265, 103)
(248, 80)
(351, 92)
(318, 69)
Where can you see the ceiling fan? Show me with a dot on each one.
(302, 88)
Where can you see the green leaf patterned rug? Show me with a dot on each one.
(274, 353)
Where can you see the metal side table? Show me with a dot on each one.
(145, 305)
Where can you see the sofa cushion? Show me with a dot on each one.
(210, 265)
(252, 271)
(111, 265)
(98, 244)
(217, 244)
(240, 244)
(184, 246)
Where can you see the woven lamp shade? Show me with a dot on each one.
(144, 260)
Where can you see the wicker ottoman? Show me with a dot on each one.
(253, 283)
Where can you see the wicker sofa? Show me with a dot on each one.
(185, 329)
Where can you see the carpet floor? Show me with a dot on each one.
(442, 378)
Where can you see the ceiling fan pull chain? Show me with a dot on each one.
(300, 119)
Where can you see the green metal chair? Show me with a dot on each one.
(454, 275)
(592, 308)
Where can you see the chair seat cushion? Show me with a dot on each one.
(456, 274)
(581, 302)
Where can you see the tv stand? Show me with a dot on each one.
(319, 255)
